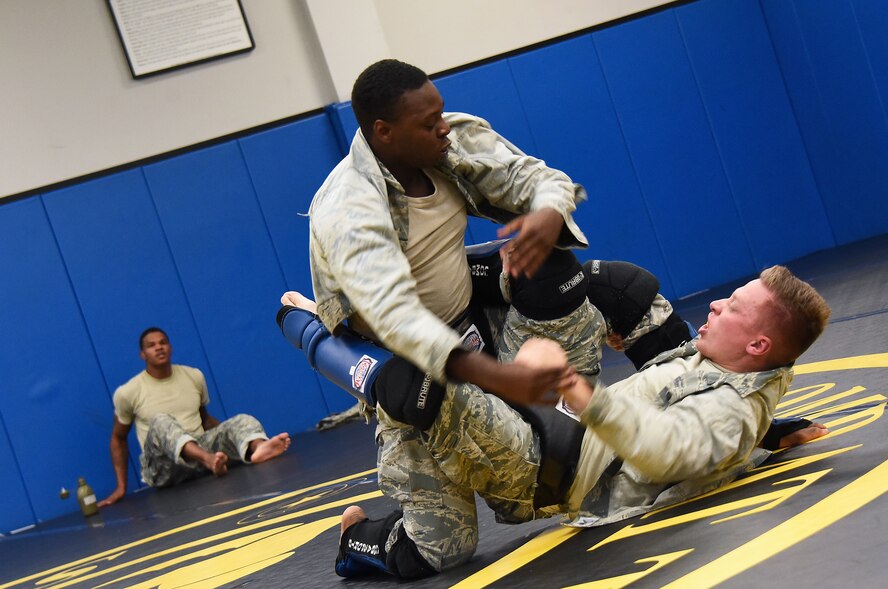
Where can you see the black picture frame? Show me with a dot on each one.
(160, 36)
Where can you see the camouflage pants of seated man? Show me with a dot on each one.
(477, 443)
(162, 462)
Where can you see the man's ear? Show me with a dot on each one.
(382, 131)
(142, 354)
(760, 346)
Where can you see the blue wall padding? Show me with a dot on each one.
(55, 402)
(344, 123)
(489, 92)
(755, 132)
(672, 147)
(123, 273)
(714, 138)
(833, 59)
(16, 512)
(287, 165)
(576, 130)
(233, 281)
(872, 20)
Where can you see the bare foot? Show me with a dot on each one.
(264, 450)
(350, 517)
(804, 435)
(216, 463)
(291, 297)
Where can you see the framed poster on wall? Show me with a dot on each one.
(162, 35)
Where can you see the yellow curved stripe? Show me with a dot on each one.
(518, 558)
(794, 530)
(852, 363)
(115, 552)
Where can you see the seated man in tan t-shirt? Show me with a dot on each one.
(179, 438)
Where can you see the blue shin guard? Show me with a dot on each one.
(346, 360)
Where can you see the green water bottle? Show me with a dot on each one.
(86, 497)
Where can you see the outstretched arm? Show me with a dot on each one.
(119, 456)
(689, 439)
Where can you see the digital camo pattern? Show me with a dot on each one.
(656, 315)
(745, 383)
(359, 229)
(720, 417)
(166, 438)
(476, 444)
(581, 333)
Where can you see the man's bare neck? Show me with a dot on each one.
(160, 372)
(414, 181)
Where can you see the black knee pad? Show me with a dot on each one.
(558, 288)
(673, 333)
(485, 267)
(622, 291)
(407, 394)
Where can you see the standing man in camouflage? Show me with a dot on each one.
(179, 438)
(687, 423)
(387, 234)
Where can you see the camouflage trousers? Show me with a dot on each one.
(162, 462)
(477, 444)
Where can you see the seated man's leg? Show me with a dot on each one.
(243, 438)
(163, 463)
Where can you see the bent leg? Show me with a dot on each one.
(481, 443)
(233, 437)
(439, 515)
(581, 333)
(476, 443)
(162, 462)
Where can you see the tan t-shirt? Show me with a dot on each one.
(181, 396)
(436, 249)
(436, 252)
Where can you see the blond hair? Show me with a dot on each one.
(801, 314)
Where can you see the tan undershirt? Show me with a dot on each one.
(436, 252)
(436, 249)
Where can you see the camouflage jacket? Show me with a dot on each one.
(359, 228)
(703, 432)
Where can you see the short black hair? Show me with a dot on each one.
(151, 330)
(378, 89)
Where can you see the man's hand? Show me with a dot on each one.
(526, 385)
(516, 383)
(542, 353)
(537, 234)
(114, 497)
